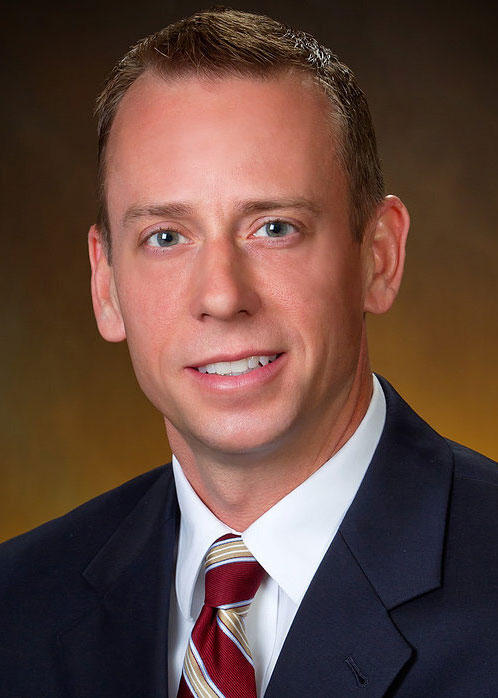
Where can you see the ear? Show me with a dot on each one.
(385, 254)
(104, 295)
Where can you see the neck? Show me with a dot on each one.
(239, 488)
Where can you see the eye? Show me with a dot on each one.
(275, 229)
(165, 238)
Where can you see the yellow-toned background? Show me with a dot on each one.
(73, 420)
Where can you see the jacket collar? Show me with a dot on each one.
(396, 526)
(388, 551)
(118, 647)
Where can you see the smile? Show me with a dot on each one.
(237, 368)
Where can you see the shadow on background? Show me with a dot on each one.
(73, 420)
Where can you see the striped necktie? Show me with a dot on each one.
(218, 661)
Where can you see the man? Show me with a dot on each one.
(243, 235)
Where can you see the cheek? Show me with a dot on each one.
(337, 278)
(326, 309)
(322, 284)
(151, 313)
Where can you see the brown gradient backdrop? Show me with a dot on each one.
(73, 420)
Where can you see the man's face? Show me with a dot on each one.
(231, 240)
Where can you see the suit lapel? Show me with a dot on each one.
(119, 646)
(388, 551)
(341, 639)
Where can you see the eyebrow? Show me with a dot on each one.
(166, 210)
(178, 209)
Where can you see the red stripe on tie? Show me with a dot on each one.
(236, 581)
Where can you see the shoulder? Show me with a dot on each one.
(471, 465)
(405, 426)
(474, 503)
(472, 478)
(44, 585)
(75, 537)
(475, 483)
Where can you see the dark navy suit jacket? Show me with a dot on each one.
(405, 602)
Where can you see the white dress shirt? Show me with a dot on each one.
(289, 541)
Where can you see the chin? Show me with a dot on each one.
(236, 440)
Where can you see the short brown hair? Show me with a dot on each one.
(223, 42)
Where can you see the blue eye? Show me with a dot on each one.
(274, 229)
(165, 238)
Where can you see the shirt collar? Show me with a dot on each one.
(199, 528)
(291, 538)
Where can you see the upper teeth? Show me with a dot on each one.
(236, 368)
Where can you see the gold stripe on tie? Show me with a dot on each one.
(232, 620)
(226, 551)
(196, 677)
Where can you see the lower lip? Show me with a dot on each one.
(257, 377)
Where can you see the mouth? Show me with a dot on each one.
(237, 368)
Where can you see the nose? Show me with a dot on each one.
(221, 283)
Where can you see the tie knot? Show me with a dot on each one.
(232, 574)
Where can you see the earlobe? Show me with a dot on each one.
(104, 297)
(386, 255)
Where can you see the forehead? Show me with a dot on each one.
(177, 94)
(195, 135)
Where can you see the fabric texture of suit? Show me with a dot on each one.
(405, 602)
